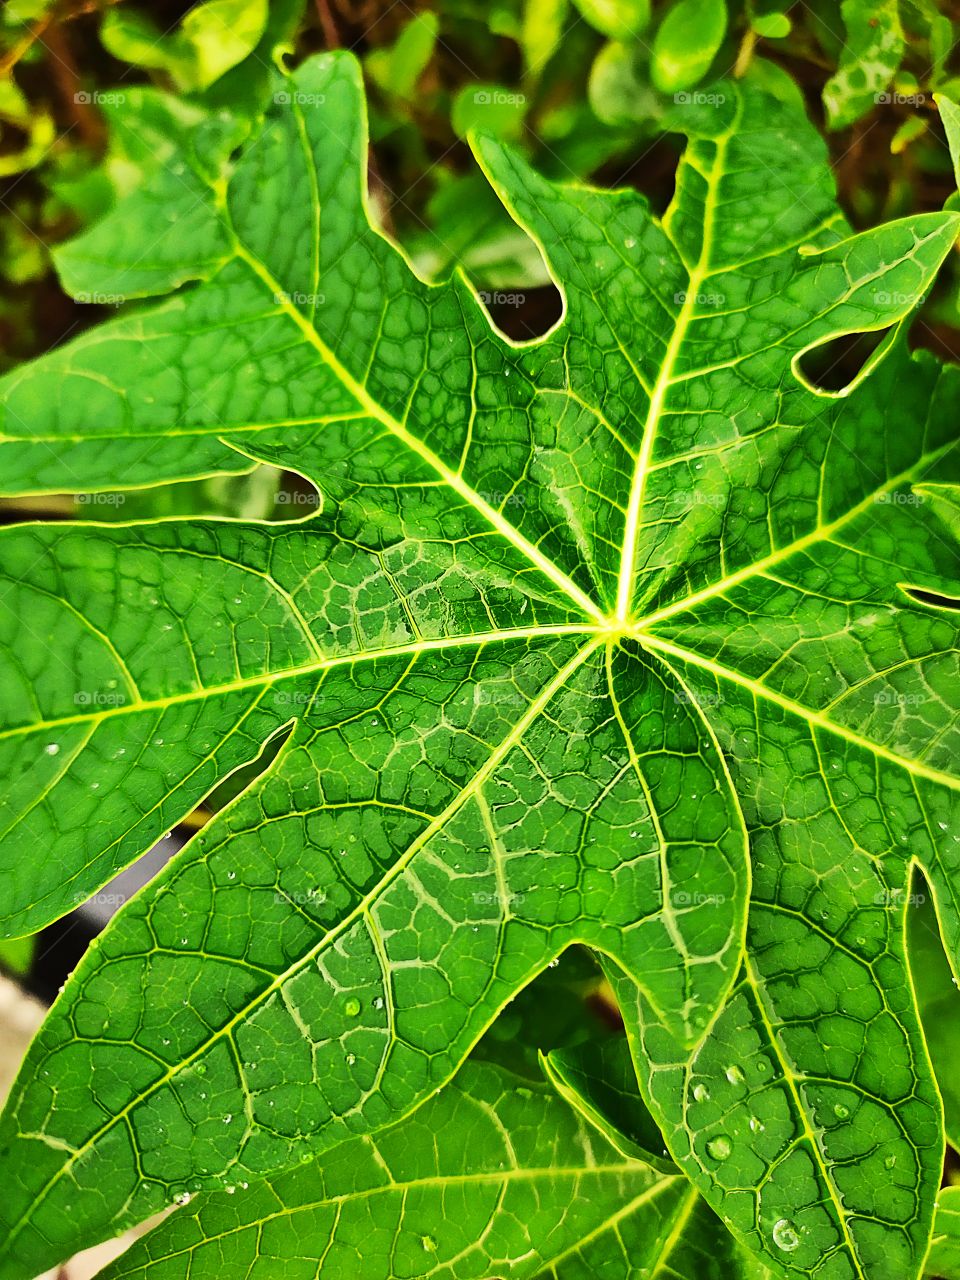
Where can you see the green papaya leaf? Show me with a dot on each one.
(687, 41)
(944, 1258)
(599, 1080)
(869, 60)
(494, 1176)
(576, 616)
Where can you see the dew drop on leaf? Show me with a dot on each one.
(352, 1008)
(785, 1235)
(701, 1093)
(840, 1111)
(429, 1244)
(734, 1075)
(719, 1148)
(52, 748)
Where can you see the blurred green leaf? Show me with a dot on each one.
(16, 954)
(869, 60)
(943, 1260)
(489, 108)
(398, 67)
(772, 26)
(540, 32)
(950, 115)
(939, 1004)
(686, 43)
(213, 38)
(619, 19)
(619, 90)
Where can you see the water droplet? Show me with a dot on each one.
(231, 875)
(719, 1148)
(890, 1162)
(378, 1002)
(351, 1059)
(701, 1093)
(785, 1235)
(201, 1069)
(429, 1244)
(352, 1008)
(227, 1118)
(756, 1126)
(630, 243)
(734, 1075)
(52, 748)
(840, 1111)
(182, 1197)
(229, 1190)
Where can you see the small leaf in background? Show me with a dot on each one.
(907, 132)
(943, 1261)
(489, 108)
(17, 118)
(212, 39)
(869, 60)
(220, 34)
(541, 31)
(618, 89)
(16, 954)
(772, 26)
(950, 115)
(397, 68)
(598, 1078)
(941, 46)
(618, 19)
(938, 1001)
(687, 42)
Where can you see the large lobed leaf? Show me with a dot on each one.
(579, 617)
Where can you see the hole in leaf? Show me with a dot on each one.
(932, 598)
(523, 313)
(835, 367)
